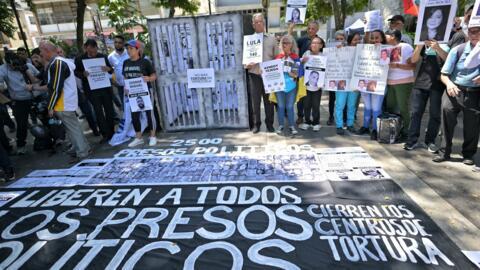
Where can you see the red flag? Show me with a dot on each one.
(409, 7)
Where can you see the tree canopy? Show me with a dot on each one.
(188, 6)
(7, 18)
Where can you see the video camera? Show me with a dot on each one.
(16, 62)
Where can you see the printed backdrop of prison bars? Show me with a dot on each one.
(202, 42)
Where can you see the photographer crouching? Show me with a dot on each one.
(19, 76)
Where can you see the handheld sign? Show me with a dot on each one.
(97, 78)
(252, 49)
(296, 11)
(435, 20)
(138, 95)
(272, 75)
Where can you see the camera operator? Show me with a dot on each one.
(19, 76)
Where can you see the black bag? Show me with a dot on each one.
(388, 126)
(40, 144)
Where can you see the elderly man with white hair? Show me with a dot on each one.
(63, 101)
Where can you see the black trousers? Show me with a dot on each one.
(21, 110)
(467, 102)
(331, 104)
(311, 106)
(418, 103)
(5, 163)
(151, 122)
(301, 108)
(257, 92)
(102, 101)
(87, 110)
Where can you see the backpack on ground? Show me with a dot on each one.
(388, 128)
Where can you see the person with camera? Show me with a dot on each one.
(19, 76)
(102, 98)
(63, 101)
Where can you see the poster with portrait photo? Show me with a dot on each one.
(385, 56)
(315, 70)
(339, 67)
(475, 18)
(369, 75)
(138, 95)
(296, 11)
(435, 20)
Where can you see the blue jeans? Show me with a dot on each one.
(343, 99)
(286, 101)
(373, 108)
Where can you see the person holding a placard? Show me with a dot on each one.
(135, 67)
(372, 102)
(400, 79)
(311, 102)
(286, 99)
(427, 88)
(462, 95)
(116, 59)
(340, 42)
(101, 98)
(434, 23)
(303, 44)
(255, 79)
(347, 99)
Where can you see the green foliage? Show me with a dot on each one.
(7, 19)
(123, 14)
(188, 6)
(67, 49)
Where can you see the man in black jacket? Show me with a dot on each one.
(102, 98)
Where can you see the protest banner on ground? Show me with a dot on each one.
(315, 70)
(138, 95)
(252, 49)
(256, 225)
(97, 78)
(369, 75)
(339, 68)
(435, 20)
(272, 75)
(296, 11)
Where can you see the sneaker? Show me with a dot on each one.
(9, 175)
(304, 126)
(468, 161)
(316, 128)
(362, 131)
(410, 146)
(152, 141)
(340, 131)
(21, 150)
(351, 129)
(299, 120)
(279, 130)
(432, 148)
(135, 142)
(373, 135)
(293, 131)
(441, 158)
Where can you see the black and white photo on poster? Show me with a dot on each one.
(161, 55)
(188, 33)
(286, 225)
(208, 37)
(138, 95)
(178, 47)
(339, 68)
(166, 49)
(220, 46)
(252, 49)
(315, 70)
(231, 40)
(435, 20)
(214, 37)
(55, 178)
(173, 48)
(296, 11)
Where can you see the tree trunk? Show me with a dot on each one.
(81, 6)
(172, 9)
(343, 10)
(336, 14)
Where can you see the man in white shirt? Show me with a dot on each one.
(116, 59)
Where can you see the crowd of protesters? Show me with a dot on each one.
(47, 92)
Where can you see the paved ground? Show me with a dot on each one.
(449, 192)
